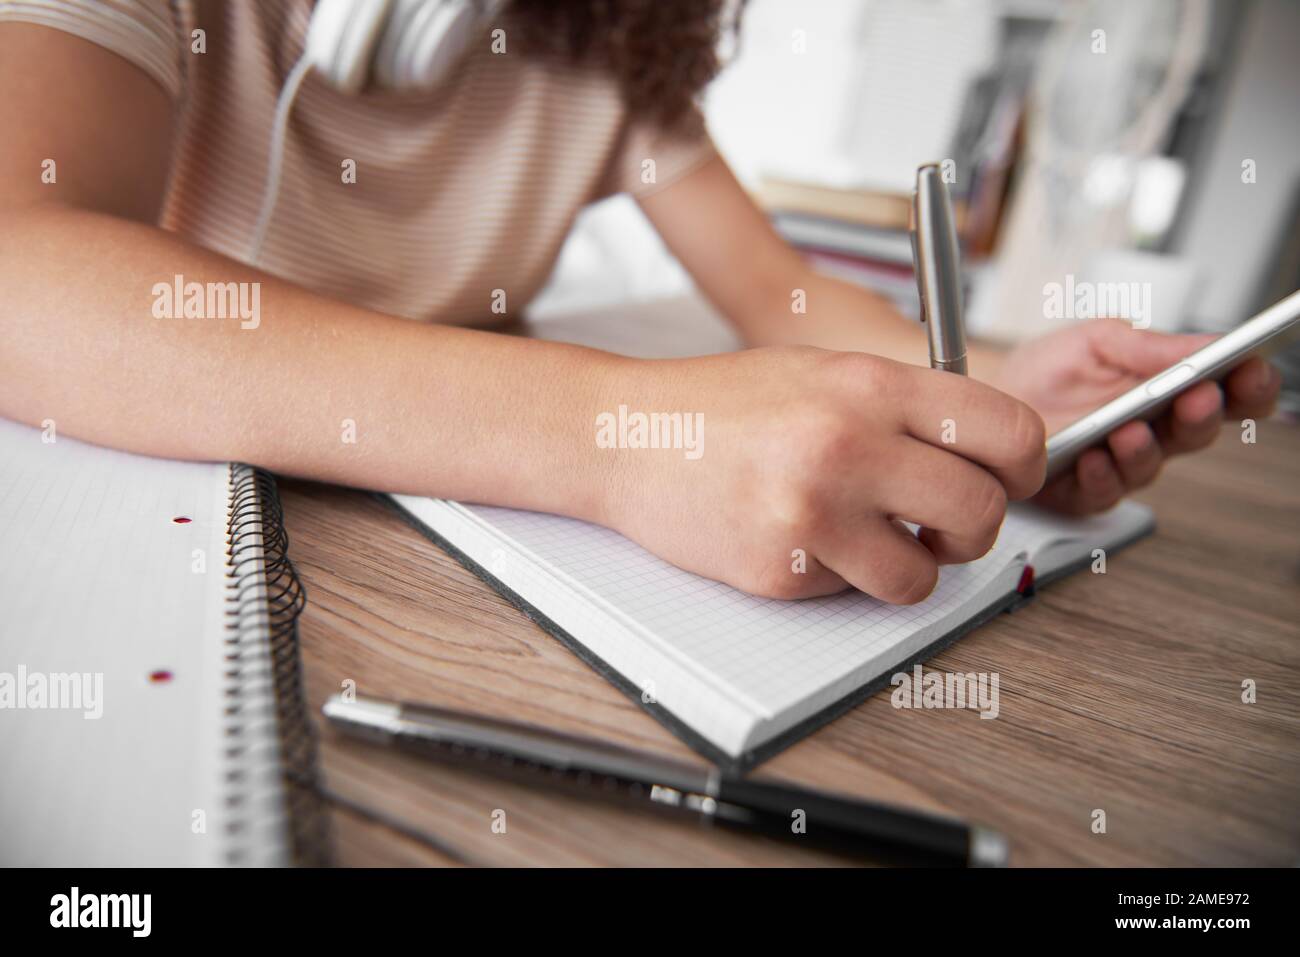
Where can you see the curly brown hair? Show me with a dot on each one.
(662, 52)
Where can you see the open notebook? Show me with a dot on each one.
(737, 677)
(149, 700)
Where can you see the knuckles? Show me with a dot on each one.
(1026, 450)
(779, 582)
(989, 508)
(907, 584)
(824, 441)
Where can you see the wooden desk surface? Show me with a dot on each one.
(1119, 692)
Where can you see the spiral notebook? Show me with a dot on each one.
(737, 677)
(150, 708)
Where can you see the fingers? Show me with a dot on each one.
(1193, 421)
(1093, 485)
(976, 421)
(1142, 352)
(812, 582)
(959, 504)
(1136, 451)
(881, 558)
(1136, 454)
(1251, 390)
(1101, 477)
(1098, 485)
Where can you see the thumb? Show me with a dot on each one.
(1141, 351)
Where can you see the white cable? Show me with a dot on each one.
(275, 162)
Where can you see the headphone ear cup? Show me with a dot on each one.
(408, 21)
(341, 40)
(437, 49)
(424, 38)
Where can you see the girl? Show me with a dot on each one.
(134, 152)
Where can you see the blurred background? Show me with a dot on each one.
(1093, 141)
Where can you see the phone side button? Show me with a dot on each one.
(1168, 381)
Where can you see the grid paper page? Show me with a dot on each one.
(772, 654)
(97, 578)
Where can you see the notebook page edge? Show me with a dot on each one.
(1056, 544)
(211, 735)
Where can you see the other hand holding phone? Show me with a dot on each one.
(1119, 401)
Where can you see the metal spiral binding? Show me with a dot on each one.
(273, 808)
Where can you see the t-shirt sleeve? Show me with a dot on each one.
(149, 33)
(649, 158)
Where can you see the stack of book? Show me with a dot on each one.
(861, 234)
(857, 234)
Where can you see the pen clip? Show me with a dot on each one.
(913, 219)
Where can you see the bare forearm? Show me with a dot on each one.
(765, 288)
(810, 308)
(317, 388)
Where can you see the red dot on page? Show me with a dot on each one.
(160, 677)
(181, 520)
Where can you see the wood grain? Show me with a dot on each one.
(1120, 692)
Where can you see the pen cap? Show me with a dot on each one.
(939, 265)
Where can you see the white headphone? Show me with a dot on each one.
(403, 45)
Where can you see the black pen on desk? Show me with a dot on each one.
(938, 269)
(842, 824)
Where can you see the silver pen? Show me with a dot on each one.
(938, 269)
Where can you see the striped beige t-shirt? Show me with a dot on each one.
(458, 193)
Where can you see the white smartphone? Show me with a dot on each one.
(1263, 334)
